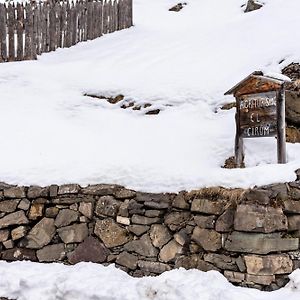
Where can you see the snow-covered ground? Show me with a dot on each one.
(88, 281)
(182, 62)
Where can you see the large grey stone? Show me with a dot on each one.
(209, 240)
(40, 235)
(294, 222)
(101, 189)
(16, 218)
(170, 251)
(142, 220)
(258, 196)
(259, 243)
(24, 204)
(124, 194)
(127, 260)
(107, 206)
(268, 265)
(159, 235)
(291, 206)
(75, 233)
(138, 229)
(292, 107)
(51, 253)
(90, 250)
(142, 246)
(177, 220)
(9, 206)
(259, 279)
(258, 218)
(180, 201)
(208, 206)
(221, 261)
(15, 192)
(37, 192)
(68, 189)
(111, 233)
(19, 254)
(86, 208)
(207, 222)
(153, 267)
(4, 234)
(194, 262)
(225, 221)
(66, 217)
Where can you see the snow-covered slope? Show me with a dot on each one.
(88, 281)
(181, 62)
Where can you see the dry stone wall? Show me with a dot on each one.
(251, 236)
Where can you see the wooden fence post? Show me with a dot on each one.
(20, 31)
(11, 32)
(281, 139)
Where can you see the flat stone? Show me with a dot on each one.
(142, 246)
(75, 233)
(4, 185)
(53, 190)
(127, 260)
(291, 206)
(257, 196)
(259, 279)
(15, 192)
(4, 234)
(259, 243)
(123, 220)
(138, 230)
(19, 254)
(124, 194)
(111, 233)
(19, 232)
(152, 213)
(258, 218)
(9, 206)
(36, 211)
(8, 244)
(142, 220)
(177, 220)
(86, 208)
(40, 235)
(159, 235)
(268, 265)
(208, 206)
(51, 253)
(101, 189)
(221, 261)
(153, 267)
(123, 209)
(295, 193)
(37, 192)
(181, 202)
(68, 189)
(235, 277)
(148, 197)
(16, 218)
(67, 200)
(134, 207)
(51, 212)
(90, 250)
(157, 205)
(24, 204)
(225, 221)
(209, 240)
(170, 251)
(182, 237)
(107, 206)
(294, 222)
(207, 222)
(194, 262)
(66, 217)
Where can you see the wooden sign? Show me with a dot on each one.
(258, 115)
(260, 112)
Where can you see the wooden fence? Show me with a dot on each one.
(35, 28)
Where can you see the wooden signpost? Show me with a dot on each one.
(260, 112)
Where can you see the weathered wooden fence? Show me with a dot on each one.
(27, 30)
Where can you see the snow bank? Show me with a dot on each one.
(33, 281)
(51, 133)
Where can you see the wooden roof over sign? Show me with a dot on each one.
(256, 82)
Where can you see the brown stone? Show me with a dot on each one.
(153, 267)
(147, 197)
(258, 218)
(291, 206)
(66, 217)
(53, 190)
(127, 260)
(51, 253)
(8, 244)
(124, 194)
(259, 243)
(257, 196)
(68, 189)
(15, 192)
(36, 211)
(182, 237)
(208, 206)
(9, 206)
(37, 192)
(40, 235)
(142, 220)
(101, 189)
(107, 206)
(142, 246)
(51, 212)
(268, 265)
(138, 229)
(4, 234)
(180, 201)
(259, 279)
(225, 221)
(157, 205)
(209, 240)
(111, 233)
(90, 250)
(235, 277)
(75, 233)
(24, 204)
(86, 208)
(19, 232)
(19, 254)
(170, 251)
(153, 213)
(177, 220)
(194, 262)
(159, 235)
(294, 222)
(221, 261)
(207, 222)
(123, 209)
(16, 218)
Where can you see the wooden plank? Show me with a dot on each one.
(47, 25)
(52, 26)
(37, 28)
(20, 31)
(57, 25)
(11, 32)
(68, 26)
(89, 20)
(73, 24)
(28, 46)
(85, 21)
(130, 13)
(109, 22)
(79, 21)
(63, 24)
(105, 17)
(281, 138)
(3, 32)
(100, 18)
(43, 24)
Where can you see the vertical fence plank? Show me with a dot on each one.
(11, 32)
(74, 23)
(68, 26)
(3, 47)
(101, 18)
(57, 9)
(20, 31)
(52, 27)
(63, 22)
(37, 28)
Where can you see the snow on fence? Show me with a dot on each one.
(27, 30)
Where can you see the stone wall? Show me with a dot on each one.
(251, 236)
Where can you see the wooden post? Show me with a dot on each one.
(281, 139)
(239, 143)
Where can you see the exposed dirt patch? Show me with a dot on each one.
(230, 163)
(292, 134)
(178, 7)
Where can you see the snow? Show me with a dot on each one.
(35, 281)
(181, 62)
